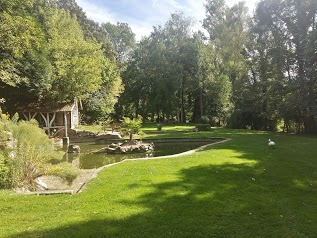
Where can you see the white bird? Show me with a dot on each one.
(271, 143)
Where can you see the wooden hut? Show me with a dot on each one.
(53, 119)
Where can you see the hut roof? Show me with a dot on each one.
(37, 107)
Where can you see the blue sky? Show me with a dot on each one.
(142, 15)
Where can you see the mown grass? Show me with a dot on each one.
(240, 188)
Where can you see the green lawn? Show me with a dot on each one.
(240, 188)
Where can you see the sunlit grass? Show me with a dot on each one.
(93, 128)
(240, 188)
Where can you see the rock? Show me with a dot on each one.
(40, 184)
(76, 134)
(108, 136)
(58, 143)
(73, 149)
(130, 147)
(54, 182)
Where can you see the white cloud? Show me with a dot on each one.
(95, 12)
(249, 3)
(142, 15)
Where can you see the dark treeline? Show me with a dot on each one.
(256, 72)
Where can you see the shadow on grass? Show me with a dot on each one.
(226, 200)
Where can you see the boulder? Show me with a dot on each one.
(130, 147)
(40, 184)
(108, 136)
(73, 149)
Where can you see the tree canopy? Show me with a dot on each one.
(51, 53)
(256, 72)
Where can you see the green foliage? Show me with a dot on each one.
(77, 63)
(131, 126)
(26, 155)
(203, 127)
(51, 52)
(248, 72)
(159, 126)
(32, 150)
(65, 171)
(101, 103)
(19, 36)
(204, 120)
(159, 73)
(4, 171)
(122, 40)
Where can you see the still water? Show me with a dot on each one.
(88, 159)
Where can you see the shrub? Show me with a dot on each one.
(4, 172)
(65, 171)
(30, 156)
(204, 120)
(131, 126)
(203, 127)
(32, 152)
(159, 127)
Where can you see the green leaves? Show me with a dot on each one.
(18, 36)
(131, 126)
(46, 56)
(121, 38)
(77, 63)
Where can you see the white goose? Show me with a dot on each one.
(271, 143)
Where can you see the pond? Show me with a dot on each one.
(88, 159)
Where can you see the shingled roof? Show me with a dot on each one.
(36, 107)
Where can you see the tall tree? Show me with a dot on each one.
(77, 63)
(122, 40)
(25, 68)
(284, 31)
(227, 28)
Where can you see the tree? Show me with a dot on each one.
(77, 64)
(282, 33)
(131, 126)
(25, 68)
(100, 104)
(122, 40)
(91, 30)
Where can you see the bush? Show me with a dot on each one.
(30, 156)
(131, 126)
(4, 172)
(204, 120)
(33, 151)
(159, 127)
(65, 171)
(203, 127)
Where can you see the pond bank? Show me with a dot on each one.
(95, 173)
(57, 186)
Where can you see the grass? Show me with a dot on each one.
(240, 188)
(93, 128)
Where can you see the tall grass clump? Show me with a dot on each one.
(32, 151)
(26, 154)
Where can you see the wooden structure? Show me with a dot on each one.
(53, 119)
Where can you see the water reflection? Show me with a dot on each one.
(89, 159)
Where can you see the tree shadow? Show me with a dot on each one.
(258, 199)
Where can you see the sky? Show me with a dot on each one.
(142, 15)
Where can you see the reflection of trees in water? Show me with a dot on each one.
(95, 156)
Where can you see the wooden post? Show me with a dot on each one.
(66, 138)
(48, 124)
(65, 120)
